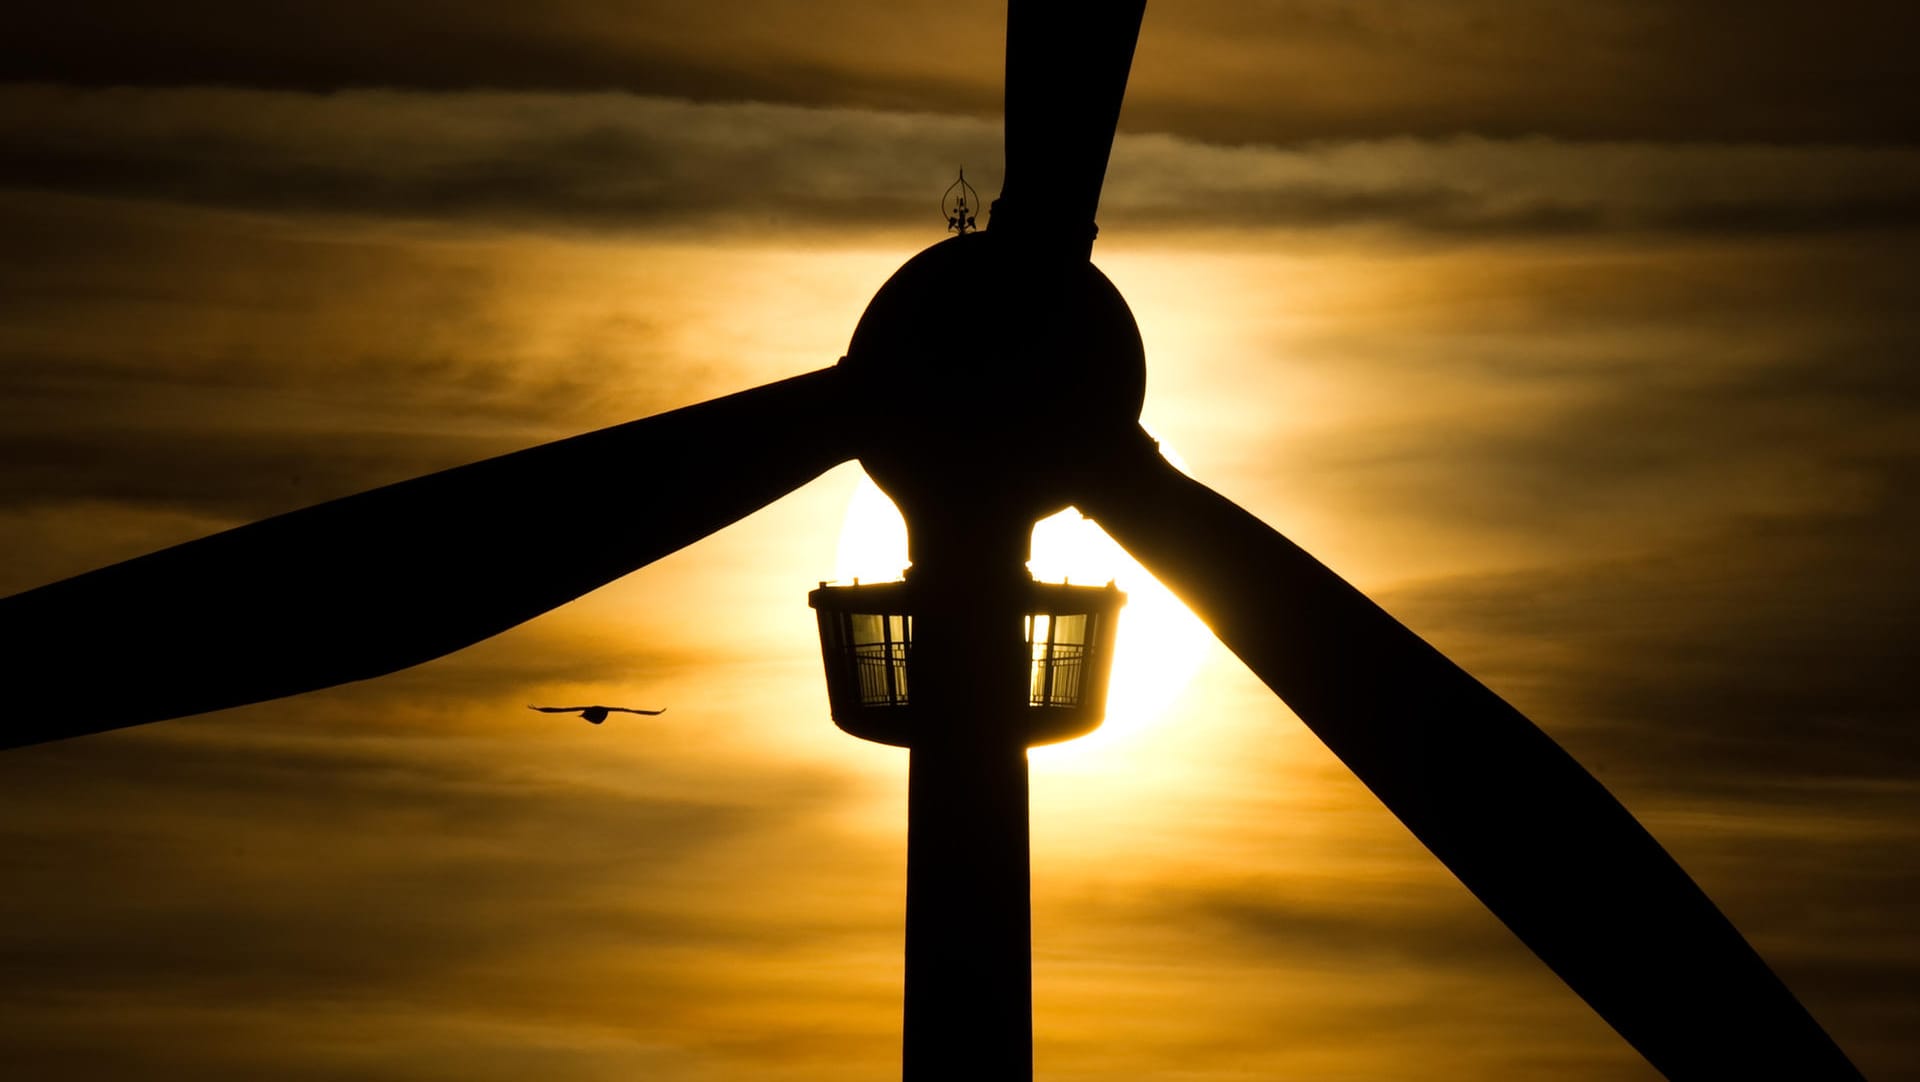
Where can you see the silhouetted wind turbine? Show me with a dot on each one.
(594, 714)
(946, 419)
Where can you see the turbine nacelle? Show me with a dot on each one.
(987, 371)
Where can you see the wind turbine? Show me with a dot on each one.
(947, 418)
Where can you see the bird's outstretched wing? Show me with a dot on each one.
(594, 714)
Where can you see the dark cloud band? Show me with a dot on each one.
(617, 161)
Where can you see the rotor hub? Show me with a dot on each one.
(990, 372)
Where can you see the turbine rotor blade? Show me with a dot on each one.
(1533, 835)
(1067, 65)
(386, 579)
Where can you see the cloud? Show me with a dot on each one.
(1350, 976)
(1212, 69)
(229, 367)
(311, 882)
(1662, 498)
(555, 159)
(619, 161)
(1740, 661)
(1474, 186)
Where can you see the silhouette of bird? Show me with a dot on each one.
(594, 714)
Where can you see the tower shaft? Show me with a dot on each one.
(969, 983)
(969, 975)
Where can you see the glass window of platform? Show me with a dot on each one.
(866, 643)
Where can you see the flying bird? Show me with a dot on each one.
(594, 714)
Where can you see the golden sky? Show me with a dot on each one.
(1583, 336)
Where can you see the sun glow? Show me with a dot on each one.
(1160, 643)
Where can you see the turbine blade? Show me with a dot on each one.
(1067, 65)
(1525, 828)
(377, 582)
